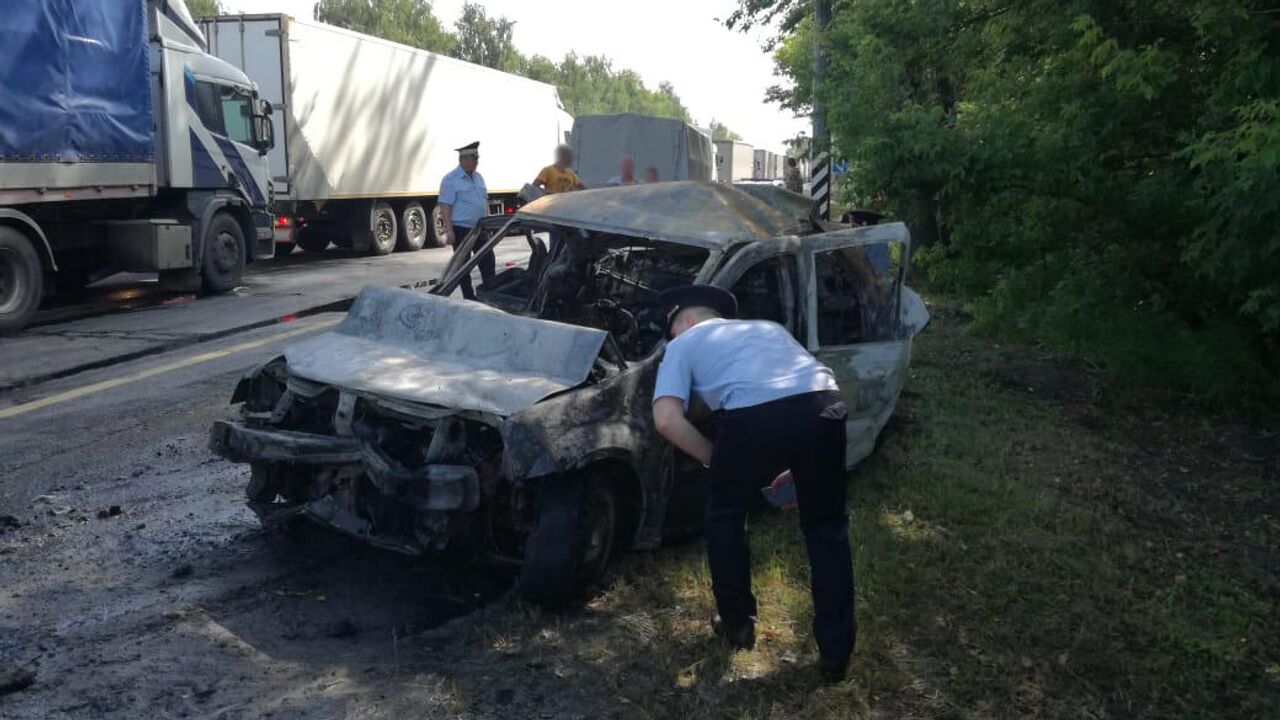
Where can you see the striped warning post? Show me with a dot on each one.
(820, 184)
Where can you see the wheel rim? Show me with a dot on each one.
(11, 277)
(226, 252)
(597, 530)
(384, 227)
(438, 220)
(416, 223)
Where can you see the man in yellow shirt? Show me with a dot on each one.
(559, 177)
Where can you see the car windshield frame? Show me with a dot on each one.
(498, 228)
(453, 273)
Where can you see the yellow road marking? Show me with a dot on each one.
(159, 370)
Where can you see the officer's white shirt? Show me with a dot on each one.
(734, 364)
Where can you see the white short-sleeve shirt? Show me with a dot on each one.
(734, 364)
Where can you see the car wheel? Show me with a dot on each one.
(438, 232)
(312, 239)
(377, 229)
(285, 249)
(21, 280)
(223, 263)
(413, 227)
(572, 539)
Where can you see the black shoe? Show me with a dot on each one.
(740, 637)
(833, 671)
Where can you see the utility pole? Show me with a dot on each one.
(820, 146)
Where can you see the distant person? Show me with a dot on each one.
(464, 199)
(626, 172)
(559, 176)
(791, 178)
(651, 174)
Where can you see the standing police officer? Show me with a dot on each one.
(779, 411)
(463, 201)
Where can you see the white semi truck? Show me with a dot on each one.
(768, 165)
(734, 161)
(369, 129)
(124, 146)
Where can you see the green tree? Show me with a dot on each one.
(409, 22)
(590, 85)
(1097, 174)
(722, 132)
(485, 41)
(205, 8)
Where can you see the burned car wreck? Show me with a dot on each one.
(519, 427)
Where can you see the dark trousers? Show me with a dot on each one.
(805, 433)
(487, 264)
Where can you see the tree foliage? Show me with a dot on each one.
(719, 131)
(590, 85)
(1100, 174)
(485, 41)
(587, 85)
(408, 22)
(205, 8)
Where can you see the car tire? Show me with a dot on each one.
(223, 253)
(285, 249)
(566, 553)
(311, 239)
(413, 231)
(21, 280)
(375, 230)
(437, 233)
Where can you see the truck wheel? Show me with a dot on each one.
(312, 240)
(21, 280)
(572, 538)
(223, 264)
(413, 227)
(377, 230)
(438, 231)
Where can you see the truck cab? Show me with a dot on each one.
(157, 162)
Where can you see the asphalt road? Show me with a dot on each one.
(134, 582)
(128, 316)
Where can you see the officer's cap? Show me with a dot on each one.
(708, 296)
(472, 149)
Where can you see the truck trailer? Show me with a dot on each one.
(124, 146)
(768, 165)
(734, 161)
(369, 128)
(676, 149)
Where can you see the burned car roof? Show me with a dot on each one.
(793, 205)
(703, 214)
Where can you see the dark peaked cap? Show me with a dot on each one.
(710, 296)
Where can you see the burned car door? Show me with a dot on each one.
(766, 278)
(860, 319)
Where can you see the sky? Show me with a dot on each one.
(718, 73)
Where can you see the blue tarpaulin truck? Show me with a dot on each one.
(124, 145)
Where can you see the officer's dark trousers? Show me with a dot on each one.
(805, 433)
(487, 264)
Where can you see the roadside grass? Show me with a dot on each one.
(1030, 542)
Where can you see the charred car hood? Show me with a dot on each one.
(450, 353)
